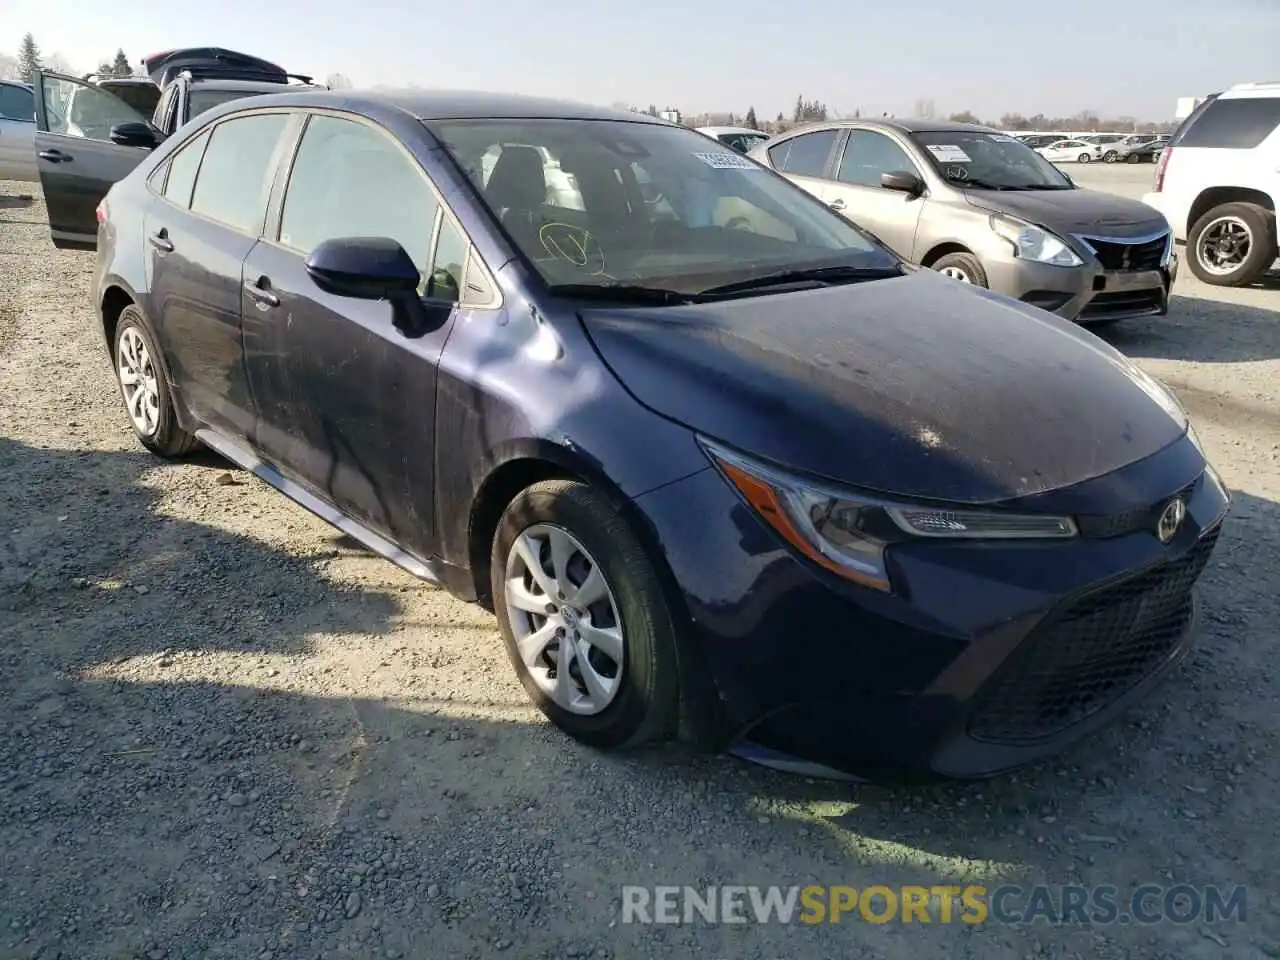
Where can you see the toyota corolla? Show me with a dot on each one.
(721, 463)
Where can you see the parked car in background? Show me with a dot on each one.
(17, 131)
(986, 210)
(645, 445)
(1071, 151)
(741, 139)
(80, 120)
(1143, 150)
(1035, 140)
(141, 93)
(1218, 183)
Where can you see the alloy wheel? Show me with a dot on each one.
(565, 619)
(138, 382)
(955, 273)
(1224, 245)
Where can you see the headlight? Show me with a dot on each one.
(847, 531)
(1032, 243)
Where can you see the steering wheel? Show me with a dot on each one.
(577, 246)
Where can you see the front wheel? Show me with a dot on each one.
(1111, 156)
(1084, 158)
(145, 390)
(1233, 245)
(963, 267)
(584, 617)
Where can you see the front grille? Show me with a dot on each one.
(1119, 255)
(1125, 304)
(1101, 526)
(1091, 652)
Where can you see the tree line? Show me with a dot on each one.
(31, 58)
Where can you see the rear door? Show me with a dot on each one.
(805, 159)
(75, 158)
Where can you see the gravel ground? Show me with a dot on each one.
(227, 732)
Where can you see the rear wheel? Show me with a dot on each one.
(1111, 156)
(145, 390)
(963, 267)
(584, 616)
(1135, 157)
(1084, 158)
(1233, 244)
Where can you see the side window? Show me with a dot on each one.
(236, 173)
(75, 109)
(163, 116)
(350, 180)
(805, 155)
(867, 155)
(1235, 124)
(17, 103)
(182, 171)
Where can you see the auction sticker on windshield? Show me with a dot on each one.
(1003, 138)
(948, 153)
(726, 161)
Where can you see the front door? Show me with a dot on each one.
(856, 192)
(75, 156)
(347, 401)
(17, 132)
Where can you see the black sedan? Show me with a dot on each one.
(720, 462)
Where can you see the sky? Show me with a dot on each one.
(1115, 57)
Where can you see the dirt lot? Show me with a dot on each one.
(226, 732)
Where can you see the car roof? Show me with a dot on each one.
(1257, 89)
(249, 86)
(451, 104)
(720, 130)
(131, 81)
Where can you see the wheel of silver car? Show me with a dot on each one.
(1233, 244)
(583, 615)
(565, 619)
(144, 388)
(963, 267)
(1111, 156)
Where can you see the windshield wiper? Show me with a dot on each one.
(1045, 186)
(980, 184)
(621, 292)
(819, 275)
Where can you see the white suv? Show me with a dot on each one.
(1218, 184)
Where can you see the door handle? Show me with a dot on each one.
(54, 156)
(265, 297)
(160, 240)
(836, 204)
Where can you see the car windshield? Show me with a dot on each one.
(202, 100)
(604, 203)
(989, 161)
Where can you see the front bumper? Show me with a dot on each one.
(986, 657)
(1085, 294)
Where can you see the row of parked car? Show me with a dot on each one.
(1091, 148)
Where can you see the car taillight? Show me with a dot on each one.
(101, 211)
(1161, 166)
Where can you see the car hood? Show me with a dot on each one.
(1087, 212)
(917, 386)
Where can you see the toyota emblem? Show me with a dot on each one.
(1171, 518)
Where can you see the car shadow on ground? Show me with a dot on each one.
(169, 792)
(1201, 330)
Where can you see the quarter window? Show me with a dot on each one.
(1237, 123)
(867, 155)
(182, 171)
(236, 173)
(805, 155)
(17, 103)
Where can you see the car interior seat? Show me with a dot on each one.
(517, 191)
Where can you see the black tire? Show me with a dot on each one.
(966, 263)
(1084, 158)
(1111, 156)
(1136, 157)
(168, 439)
(646, 706)
(1261, 224)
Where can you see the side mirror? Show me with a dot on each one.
(135, 133)
(374, 268)
(902, 181)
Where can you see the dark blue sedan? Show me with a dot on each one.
(719, 461)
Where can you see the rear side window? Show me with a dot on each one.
(236, 173)
(805, 155)
(1233, 124)
(182, 171)
(17, 103)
